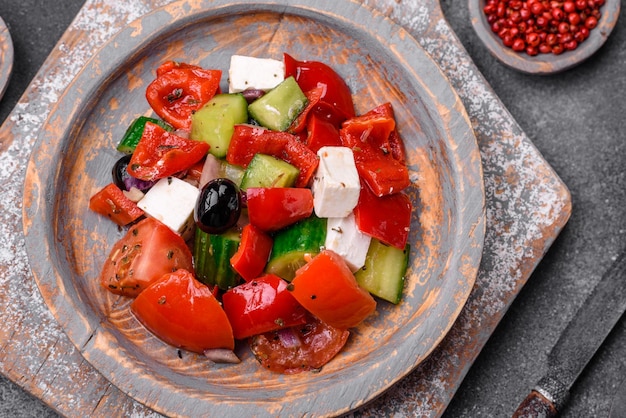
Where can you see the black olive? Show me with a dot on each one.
(119, 172)
(124, 180)
(218, 206)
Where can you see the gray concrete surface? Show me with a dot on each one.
(576, 120)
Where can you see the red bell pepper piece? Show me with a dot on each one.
(273, 208)
(396, 144)
(313, 97)
(326, 287)
(387, 218)
(335, 103)
(110, 201)
(160, 153)
(368, 137)
(321, 133)
(179, 90)
(253, 252)
(262, 305)
(249, 140)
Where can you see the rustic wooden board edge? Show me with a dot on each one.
(498, 297)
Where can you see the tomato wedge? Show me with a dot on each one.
(249, 140)
(184, 313)
(147, 251)
(251, 256)
(181, 89)
(110, 201)
(160, 154)
(335, 104)
(326, 287)
(300, 348)
(274, 208)
(387, 218)
(262, 305)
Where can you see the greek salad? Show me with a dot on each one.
(270, 214)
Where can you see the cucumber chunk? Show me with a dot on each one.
(211, 254)
(134, 132)
(215, 122)
(292, 243)
(384, 270)
(280, 106)
(267, 171)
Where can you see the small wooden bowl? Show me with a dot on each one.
(6, 57)
(543, 64)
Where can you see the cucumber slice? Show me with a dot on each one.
(280, 106)
(292, 243)
(267, 171)
(134, 132)
(384, 270)
(215, 122)
(212, 255)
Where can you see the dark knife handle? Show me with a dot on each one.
(534, 406)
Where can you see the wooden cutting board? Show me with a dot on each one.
(521, 226)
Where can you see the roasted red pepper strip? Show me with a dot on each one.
(179, 90)
(253, 252)
(313, 98)
(386, 218)
(335, 103)
(160, 154)
(249, 140)
(274, 208)
(396, 144)
(368, 137)
(321, 133)
(110, 201)
(262, 305)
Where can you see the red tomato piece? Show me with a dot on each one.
(368, 137)
(110, 201)
(160, 154)
(273, 208)
(149, 250)
(387, 218)
(249, 140)
(335, 103)
(253, 252)
(321, 134)
(262, 305)
(184, 313)
(179, 90)
(299, 349)
(326, 287)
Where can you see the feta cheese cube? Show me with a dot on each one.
(344, 238)
(254, 73)
(336, 184)
(172, 202)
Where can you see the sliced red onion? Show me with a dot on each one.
(210, 170)
(288, 338)
(221, 355)
(143, 185)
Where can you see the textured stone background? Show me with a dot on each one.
(576, 120)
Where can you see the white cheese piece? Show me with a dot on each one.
(172, 202)
(254, 73)
(336, 185)
(344, 238)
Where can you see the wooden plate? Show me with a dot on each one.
(72, 159)
(543, 64)
(6, 57)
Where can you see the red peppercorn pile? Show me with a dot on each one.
(542, 26)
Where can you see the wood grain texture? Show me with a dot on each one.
(542, 64)
(527, 205)
(6, 56)
(74, 155)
